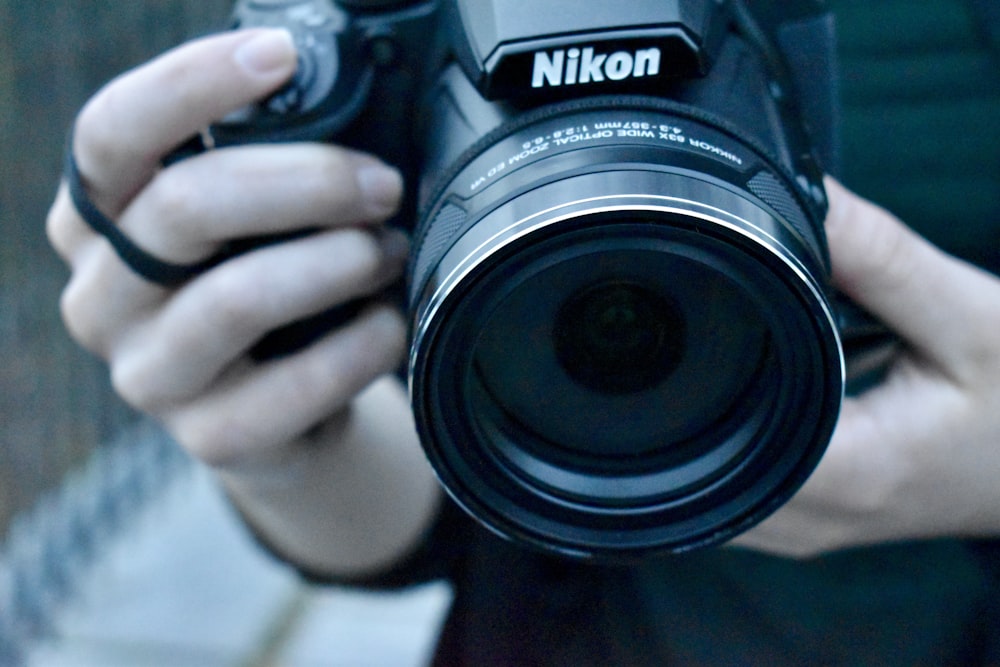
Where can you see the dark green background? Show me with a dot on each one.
(921, 131)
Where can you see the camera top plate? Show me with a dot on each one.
(520, 48)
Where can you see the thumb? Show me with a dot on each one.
(926, 296)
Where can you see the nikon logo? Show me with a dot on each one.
(568, 67)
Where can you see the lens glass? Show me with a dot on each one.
(619, 351)
(618, 337)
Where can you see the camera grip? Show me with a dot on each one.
(300, 334)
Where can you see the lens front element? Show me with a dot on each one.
(618, 337)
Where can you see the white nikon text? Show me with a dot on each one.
(568, 67)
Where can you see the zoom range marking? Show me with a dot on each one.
(576, 66)
(606, 130)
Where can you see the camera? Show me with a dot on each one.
(622, 337)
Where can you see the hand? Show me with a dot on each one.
(329, 471)
(180, 355)
(918, 455)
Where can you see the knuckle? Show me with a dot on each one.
(876, 497)
(202, 442)
(58, 223)
(798, 550)
(173, 199)
(219, 440)
(132, 383)
(866, 238)
(96, 141)
(236, 302)
(126, 385)
(894, 250)
(142, 371)
(831, 539)
(982, 367)
(372, 347)
(82, 321)
(362, 255)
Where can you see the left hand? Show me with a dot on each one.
(917, 456)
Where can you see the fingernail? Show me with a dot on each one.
(381, 187)
(269, 51)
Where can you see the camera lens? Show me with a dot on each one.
(618, 337)
(614, 350)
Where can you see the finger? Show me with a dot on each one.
(828, 511)
(925, 295)
(188, 210)
(260, 407)
(120, 137)
(214, 320)
(862, 492)
(191, 208)
(103, 300)
(124, 131)
(63, 227)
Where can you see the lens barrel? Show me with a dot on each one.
(621, 339)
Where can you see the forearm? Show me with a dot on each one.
(354, 501)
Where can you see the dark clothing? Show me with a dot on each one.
(932, 603)
(921, 107)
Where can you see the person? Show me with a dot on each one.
(884, 556)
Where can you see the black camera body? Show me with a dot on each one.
(622, 337)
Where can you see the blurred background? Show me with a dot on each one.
(55, 405)
(114, 549)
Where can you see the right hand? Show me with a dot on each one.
(181, 354)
